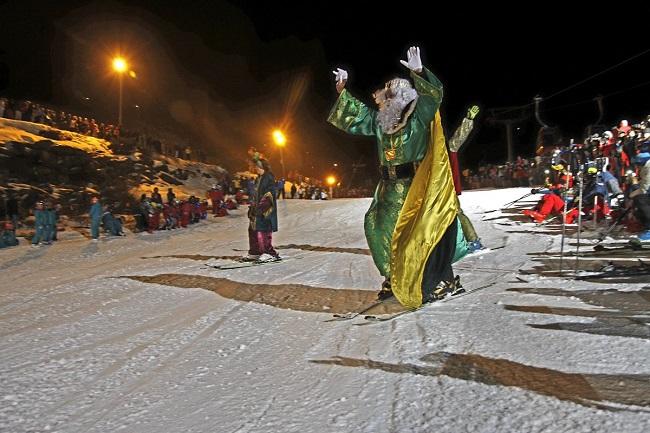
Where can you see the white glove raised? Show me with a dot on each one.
(413, 62)
(341, 77)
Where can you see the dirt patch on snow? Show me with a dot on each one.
(306, 247)
(297, 297)
(618, 313)
(591, 390)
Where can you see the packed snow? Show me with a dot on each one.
(28, 132)
(137, 334)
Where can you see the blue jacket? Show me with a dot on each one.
(96, 211)
(41, 218)
(51, 216)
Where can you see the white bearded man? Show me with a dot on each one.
(412, 225)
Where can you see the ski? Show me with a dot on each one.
(612, 271)
(353, 314)
(484, 250)
(241, 264)
(634, 245)
(387, 317)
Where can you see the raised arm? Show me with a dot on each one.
(460, 135)
(427, 85)
(349, 114)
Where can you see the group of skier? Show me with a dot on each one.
(588, 189)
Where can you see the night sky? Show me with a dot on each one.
(226, 73)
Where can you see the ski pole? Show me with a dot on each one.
(614, 224)
(580, 189)
(509, 204)
(515, 201)
(566, 187)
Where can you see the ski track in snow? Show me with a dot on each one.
(85, 350)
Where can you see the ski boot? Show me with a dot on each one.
(571, 216)
(250, 258)
(266, 257)
(644, 237)
(474, 246)
(443, 289)
(534, 215)
(458, 287)
(385, 291)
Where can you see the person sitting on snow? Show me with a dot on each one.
(595, 197)
(7, 235)
(112, 225)
(216, 197)
(552, 202)
(186, 213)
(230, 204)
(203, 209)
(239, 196)
(168, 215)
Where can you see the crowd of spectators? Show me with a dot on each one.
(522, 172)
(152, 213)
(123, 141)
(620, 145)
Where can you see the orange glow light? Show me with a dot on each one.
(279, 137)
(119, 65)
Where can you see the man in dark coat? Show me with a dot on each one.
(156, 197)
(262, 214)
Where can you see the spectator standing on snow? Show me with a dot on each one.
(40, 220)
(95, 217)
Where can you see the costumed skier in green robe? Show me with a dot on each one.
(412, 225)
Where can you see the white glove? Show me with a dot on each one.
(414, 63)
(341, 76)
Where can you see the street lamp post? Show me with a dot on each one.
(120, 66)
(280, 141)
(331, 180)
(119, 118)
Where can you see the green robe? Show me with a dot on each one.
(408, 144)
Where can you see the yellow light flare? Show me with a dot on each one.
(279, 138)
(132, 74)
(331, 180)
(119, 65)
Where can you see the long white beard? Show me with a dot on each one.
(391, 110)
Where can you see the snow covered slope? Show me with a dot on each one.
(137, 335)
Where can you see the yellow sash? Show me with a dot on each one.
(430, 207)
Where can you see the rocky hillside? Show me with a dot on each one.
(40, 162)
